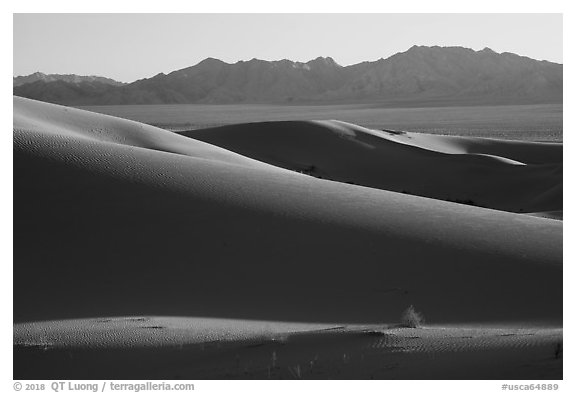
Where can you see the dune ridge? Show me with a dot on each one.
(37, 117)
(207, 232)
(503, 175)
(522, 151)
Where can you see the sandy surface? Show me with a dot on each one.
(151, 331)
(525, 122)
(113, 218)
(201, 348)
(503, 175)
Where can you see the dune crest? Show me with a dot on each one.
(57, 122)
(510, 176)
(165, 225)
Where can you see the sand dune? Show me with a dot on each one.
(201, 348)
(503, 175)
(555, 215)
(177, 234)
(143, 331)
(62, 123)
(115, 218)
(525, 152)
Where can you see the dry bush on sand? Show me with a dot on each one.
(411, 318)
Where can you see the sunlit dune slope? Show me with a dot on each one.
(522, 151)
(62, 123)
(136, 221)
(503, 175)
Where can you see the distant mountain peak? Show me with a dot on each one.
(488, 50)
(325, 61)
(210, 61)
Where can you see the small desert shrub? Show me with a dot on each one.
(411, 318)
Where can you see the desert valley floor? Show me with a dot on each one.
(281, 250)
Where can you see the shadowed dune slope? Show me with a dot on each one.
(510, 176)
(143, 222)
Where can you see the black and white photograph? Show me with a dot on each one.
(287, 196)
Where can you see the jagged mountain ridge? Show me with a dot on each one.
(69, 78)
(421, 73)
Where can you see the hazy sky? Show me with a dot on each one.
(127, 47)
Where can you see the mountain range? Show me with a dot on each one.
(69, 78)
(421, 74)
